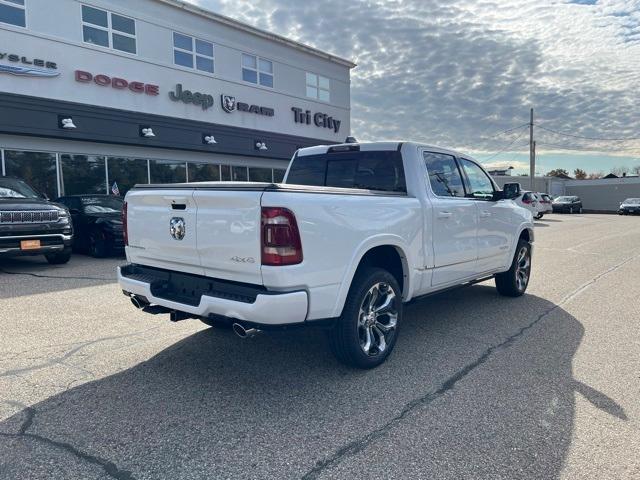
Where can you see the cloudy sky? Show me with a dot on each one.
(457, 73)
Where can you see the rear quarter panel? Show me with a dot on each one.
(336, 231)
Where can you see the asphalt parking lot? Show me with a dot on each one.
(479, 386)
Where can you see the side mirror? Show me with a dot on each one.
(510, 190)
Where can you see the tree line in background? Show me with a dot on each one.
(580, 174)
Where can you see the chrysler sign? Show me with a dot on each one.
(28, 67)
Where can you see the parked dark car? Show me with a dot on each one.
(97, 222)
(567, 204)
(630, 206)
(32, 225)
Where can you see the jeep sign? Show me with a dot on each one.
(186, 96)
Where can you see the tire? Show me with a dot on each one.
(580, 210)
(97, 244)
(360, 338)
(58, 258)
(540, 215)
(570, 209)
(514, 282)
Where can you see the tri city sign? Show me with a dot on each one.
(320, 119)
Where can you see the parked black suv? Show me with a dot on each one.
(32, 225)
(567, 204)
(97, 223)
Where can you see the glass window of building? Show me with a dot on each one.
(203, 172)
(257, 174)
(167, 171)
(192, 52)
(38, 169)
(225, 173)
(318, 87)
(13, 12)
(126, 172)
(278, 175)
(83, 174)
(107, 29)
(257, 70)
(239, 174)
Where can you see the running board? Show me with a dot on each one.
(448, 289)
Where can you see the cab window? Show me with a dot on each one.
(444, 176)
(478, 182)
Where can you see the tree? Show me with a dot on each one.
(558, 172)
(636, 169)
(620, 171)
(594, 175)
(579, 174)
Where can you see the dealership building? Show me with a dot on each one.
(102, 93)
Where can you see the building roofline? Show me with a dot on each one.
(189, 7)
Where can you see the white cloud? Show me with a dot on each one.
(455, 74)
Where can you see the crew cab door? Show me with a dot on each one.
(495, 219)
(454, 220)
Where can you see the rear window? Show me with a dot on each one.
(382, 171)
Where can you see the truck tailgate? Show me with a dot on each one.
(228, 231)
(149, 217)
(222, 229)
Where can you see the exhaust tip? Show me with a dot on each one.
(243, 332)
(239, 330)
(138, 302)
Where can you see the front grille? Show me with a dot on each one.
(29, 216)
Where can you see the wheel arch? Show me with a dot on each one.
(387, 252)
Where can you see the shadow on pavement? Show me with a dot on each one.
(477, 391)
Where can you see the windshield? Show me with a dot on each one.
(633, 201)
(102, 204)
(14, 188)
(565, 199)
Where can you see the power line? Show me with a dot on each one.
(507, 146)
(506, 131)
(603, 139)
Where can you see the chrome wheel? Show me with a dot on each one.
(523, 268)
(377, 318)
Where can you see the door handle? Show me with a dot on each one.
(485, 214)
(444, 214)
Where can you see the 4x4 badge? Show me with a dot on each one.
(177, 228)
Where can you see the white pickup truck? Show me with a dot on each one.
(353, 233)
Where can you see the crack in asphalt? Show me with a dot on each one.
(69, 354)
(109, 467)
(358, 445)
(39, 275)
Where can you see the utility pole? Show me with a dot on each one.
(532, 154)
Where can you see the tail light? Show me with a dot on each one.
(526, 200)
(281, 243)
(125, 231)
